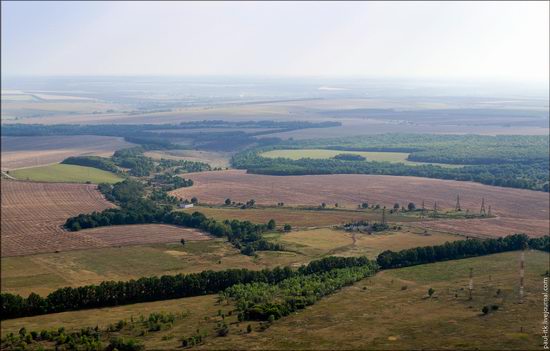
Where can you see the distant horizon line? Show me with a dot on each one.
(545, 81)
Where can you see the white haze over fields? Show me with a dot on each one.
(467, 40)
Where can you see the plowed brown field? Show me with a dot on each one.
(517, 210)
(33, 213)
(21, 152)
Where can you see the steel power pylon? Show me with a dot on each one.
(457, 206)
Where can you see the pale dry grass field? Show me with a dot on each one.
(214, 159)
(361, 316)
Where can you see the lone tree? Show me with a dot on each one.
(182, 241)
(228, 201)
(396, 206)
(271, 224)
(194, 200)
(287, 227)
(430, 292)
(411, 206)
(323, 205)
(365, 205)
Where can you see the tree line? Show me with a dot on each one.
(112, 293)
(532, 176)
(542, 243)
(263, 301)
(244, 235)
(134, 209)
(208, 282)
(451, 251)
(154, 137)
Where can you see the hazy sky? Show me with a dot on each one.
(505, 40)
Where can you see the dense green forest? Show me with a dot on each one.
(166, 136)
(103, 163)
(264, 301)
(454, 149)
(508, 161)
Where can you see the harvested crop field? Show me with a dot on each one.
(297, 217)
(21, 152)
(124, 235)
(66, 174)
(351, 189)
(33, 213)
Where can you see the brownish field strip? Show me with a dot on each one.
(298, 218)
(517, 210)
(33, 213)
(125, 235)
(21, 152)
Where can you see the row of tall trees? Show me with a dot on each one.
(451, 251)
(244, 235)
(542, 243)
(268, 295)
(114, 293)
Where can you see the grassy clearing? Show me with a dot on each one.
(321, 242)
(66, 173)
(46, 272)
(43, 273)
(375, 313)
(214, 159)
(196, 307)
(300, 217)
(392, 157)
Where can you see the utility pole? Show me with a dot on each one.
(423, 210)
(521, 275)
(471, 285)
(457, 206)
(384, 215)
(482, 210)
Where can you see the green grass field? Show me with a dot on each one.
(43, 273)
(378, 313)
(392, 157)
(390, 311)
(66, 173)
(301, 217)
